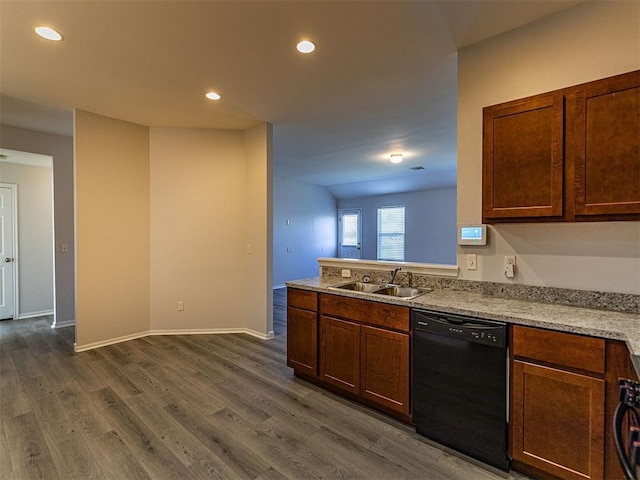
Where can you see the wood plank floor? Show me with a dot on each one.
(191, 407)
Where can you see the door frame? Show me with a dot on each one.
(14, 220)
(341, 212)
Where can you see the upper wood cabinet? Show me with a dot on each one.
(568, 155)
(523, 158)
(605, 125)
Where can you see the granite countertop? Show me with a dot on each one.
(585, 321)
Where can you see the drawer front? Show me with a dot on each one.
(303, 299)
(366, 311)
(566, 349)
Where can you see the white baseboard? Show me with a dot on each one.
(22, 316)
(197, 331)
(64, 323)
(112, 341)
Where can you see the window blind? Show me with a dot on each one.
(391, 233)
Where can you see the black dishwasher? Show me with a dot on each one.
(459, 384)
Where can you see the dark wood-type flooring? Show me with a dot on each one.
(191, 407)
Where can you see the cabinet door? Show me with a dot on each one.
(558, 421)
(302, 341)
(606, 150)
(523, 158)
(384, 368)
(340, 353)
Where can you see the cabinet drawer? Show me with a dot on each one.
(366, 311)
(304, 299)
(566, 349)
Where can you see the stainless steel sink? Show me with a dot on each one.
(357, 287)
(406, 293)
(401, 292)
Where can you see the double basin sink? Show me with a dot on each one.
(406, 293)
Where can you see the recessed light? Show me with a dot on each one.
(48, 33)
(306, 46)
(213, 96)
(395, 157)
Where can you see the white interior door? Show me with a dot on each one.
(7, 253)
(350, 233)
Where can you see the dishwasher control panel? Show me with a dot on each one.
(476, 330)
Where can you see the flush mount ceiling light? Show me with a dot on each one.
(306, 46)
(395, 157)
(212, 96)
(48, 33)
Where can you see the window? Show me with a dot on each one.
(350, 229)
(391, 233)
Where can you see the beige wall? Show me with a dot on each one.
(35, 236)
(61, 149)
(112, 228)
(197, 228)
(259, 228)
(594, 40)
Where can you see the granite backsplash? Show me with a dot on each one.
(620, 302)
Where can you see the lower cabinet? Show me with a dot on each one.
(302, 331)
(558, 389)
(340, 353)
(363, 350)
(384, 364)
(558, 421)
(370, 362)
(302, 341)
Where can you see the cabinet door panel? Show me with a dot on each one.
(340, 353)
(302, 341)
(607, 146)
(523, 158)
(558, 421)
(385, 368)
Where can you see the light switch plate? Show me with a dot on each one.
(472, 261)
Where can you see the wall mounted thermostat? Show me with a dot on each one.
(472, 234)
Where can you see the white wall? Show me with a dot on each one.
(258, 299)
(430, 224)
(112, 228)
(35, 234)
(197, 228)
(61, 149)
(591, 41)
(304, 220)
(165, 215)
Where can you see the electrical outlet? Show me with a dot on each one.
(472, 261)
(509, 266)
(180, 305)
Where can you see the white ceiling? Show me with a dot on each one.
(383, 77)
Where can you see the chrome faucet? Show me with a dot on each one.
(392, 274)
